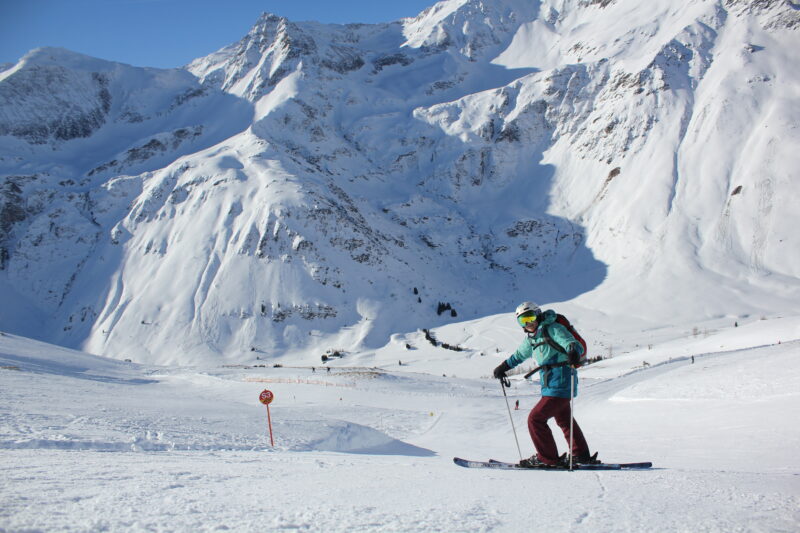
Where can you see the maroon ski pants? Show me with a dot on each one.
(558, 408)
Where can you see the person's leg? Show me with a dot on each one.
(541, 435)
(561, 410)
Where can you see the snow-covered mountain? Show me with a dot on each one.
(323, 186)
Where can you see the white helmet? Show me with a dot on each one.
(525, 307)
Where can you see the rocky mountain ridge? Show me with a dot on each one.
(329, 185)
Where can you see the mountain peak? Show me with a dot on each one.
(473, 27)
(63, 58)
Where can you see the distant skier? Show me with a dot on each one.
(555, 376)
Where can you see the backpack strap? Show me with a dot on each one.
(551, 342)
(545, 368)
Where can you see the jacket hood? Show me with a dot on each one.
(548, 317)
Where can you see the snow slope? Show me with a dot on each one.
(90, 443)
(316, 187)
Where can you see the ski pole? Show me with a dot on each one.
(571, 412)
(503, 383)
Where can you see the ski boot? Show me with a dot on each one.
(585, 459)
(534, 462)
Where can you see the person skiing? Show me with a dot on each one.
(557, 369)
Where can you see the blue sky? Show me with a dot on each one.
(166, 33)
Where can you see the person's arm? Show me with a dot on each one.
(523, 352)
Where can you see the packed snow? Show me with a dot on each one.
(366, 441)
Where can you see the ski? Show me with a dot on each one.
(593, 466)
(484, 464)
(579, 466)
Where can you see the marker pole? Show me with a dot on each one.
(269, 420)
(266, 398)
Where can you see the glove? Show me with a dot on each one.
(573, 356)
(500, 371)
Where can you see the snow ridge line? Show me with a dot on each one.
(606, 388)
(703, 354)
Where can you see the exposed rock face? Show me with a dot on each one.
(77, 108)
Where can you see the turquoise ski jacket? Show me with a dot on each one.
(555, 381)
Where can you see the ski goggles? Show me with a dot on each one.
(527, 318)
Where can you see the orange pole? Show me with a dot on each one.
(269, 419)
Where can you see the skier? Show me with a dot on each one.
(555, 374)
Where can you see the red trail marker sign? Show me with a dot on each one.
(266, 398)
